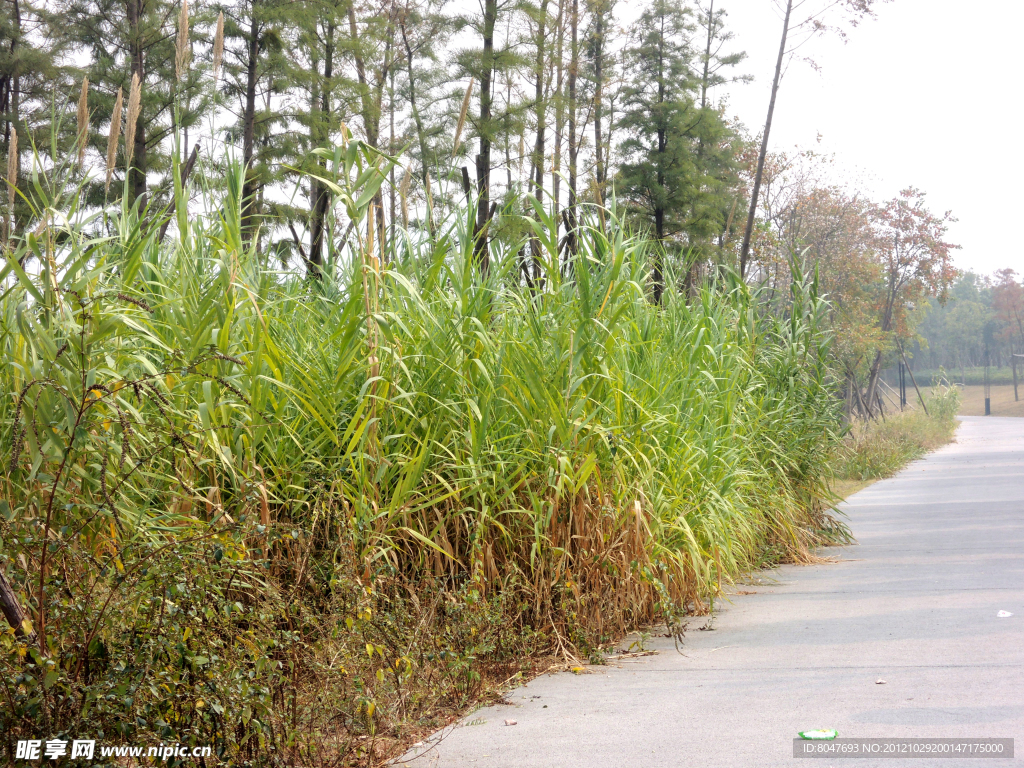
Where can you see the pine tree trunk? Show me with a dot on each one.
(598, 95)
(321, 195)
(574, 65)
(559, 115)
(9, 84)
(538, 148)
(696, 256)
(483, 158)
(137, 174)
(249, 127)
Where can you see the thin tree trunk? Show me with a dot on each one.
(370, 108)
(483, 158)
(748, 233)
(599, 170)
(574, 65)
(556, 179)
(391, 151)
(1014, 361)
(369, 124)
(696, 258)
(249, 126)
(12, 610)
(914, 381)
(321, 199)
(658, 276)
(537, 169)
(9, 85)
(421, 136)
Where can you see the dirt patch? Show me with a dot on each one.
(972, 401)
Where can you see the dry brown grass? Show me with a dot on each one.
(972, 401)
(844, 489)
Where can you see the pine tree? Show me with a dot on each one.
(678, 151)
(253, 78)
(31, 79)
(489, 66)
(315, 72)
(123, 39)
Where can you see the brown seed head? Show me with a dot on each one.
(430, 199)
(218, 46)
(83, 120)
(462, 116)
(114, 136)
(134, 107)
(182, 52)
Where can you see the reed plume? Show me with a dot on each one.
(218, 46)
(113, 137)
(462, 116)
(181, 48)
(83, 120)
(134, 107)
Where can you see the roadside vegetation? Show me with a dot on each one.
(293, 518)
(877, 449)
(311, 441)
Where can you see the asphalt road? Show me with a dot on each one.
(940, 552)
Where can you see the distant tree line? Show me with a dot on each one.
(981, 323)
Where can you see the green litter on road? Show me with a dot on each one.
(819, 735)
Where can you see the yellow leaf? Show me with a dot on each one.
(369, 650)
(370, 709)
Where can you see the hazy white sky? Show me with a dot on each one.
(928, 94)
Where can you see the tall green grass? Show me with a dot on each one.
(277, 514)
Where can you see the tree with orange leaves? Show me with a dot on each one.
(916, 262)
(1008, 301)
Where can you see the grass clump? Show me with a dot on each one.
(297, 518)
(880, 448)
